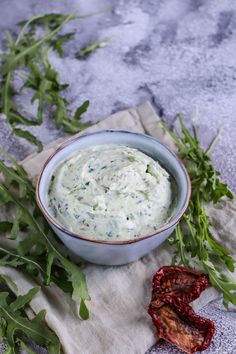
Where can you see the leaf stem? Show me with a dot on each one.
(6, 89)
(213, 142)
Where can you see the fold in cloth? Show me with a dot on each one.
(119, 322)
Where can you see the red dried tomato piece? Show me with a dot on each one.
(176, 322)
(180, 282)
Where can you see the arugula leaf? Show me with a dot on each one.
(11, 61)
(16, 176)
(43, 258)
(50, 260)
(77, 277)
(25, 134)
(80, 110)
(31, 52)
(90, 48)
(49, 20)
(83, 310)
(36, 265)
(25, 347)
(58, 43)
(6, 94)
(193, 235)
(16, 118)
(16, 327)
(15, 227)
(17, 324)
(21, 301)
(60, 111)
(5, 279)
(44, 86)
(74, 125)
(5, 226)
(221, 282)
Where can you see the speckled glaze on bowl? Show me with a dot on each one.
(115, 252)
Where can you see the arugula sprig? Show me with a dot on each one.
(20, 53)
(16, 327)
(35, 251)
(30, 52)
(193, 237)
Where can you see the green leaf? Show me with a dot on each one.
(60, 111)
(222, 252)
(58, 43)
(220, 191)
(23, 300)
(3, 326)
(32, 52)
(39, 317)
(26, 245)
(24, 347)
(18, 169)
(77, 278)
(73, 127)
(49, 20)
(15, 227)
(36, 74)
(6, 95)
(221, 283)
(12, 262)
(50, 260)
(13, 60)
(5, 226)
(193, 236)
(29, 137)
(80, 110)
(17, 176)
(16, 118)
(80, 290)
(16, 324)
(4, 195)
(91, 48)
(10, 40)
(9, 350)
(83, 310)
(44, 86)
(13, 259)
(10, 283)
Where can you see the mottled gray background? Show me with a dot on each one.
(179, 54)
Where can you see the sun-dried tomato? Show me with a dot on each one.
(174, 288)
(178, 281)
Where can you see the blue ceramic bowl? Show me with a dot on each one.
(116, 252)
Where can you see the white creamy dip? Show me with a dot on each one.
(110, 192)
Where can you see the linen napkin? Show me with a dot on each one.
(119, 323)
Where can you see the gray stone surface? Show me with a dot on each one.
(178, 54)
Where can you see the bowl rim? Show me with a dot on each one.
(75, 235)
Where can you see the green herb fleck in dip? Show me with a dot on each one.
(110, 192)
